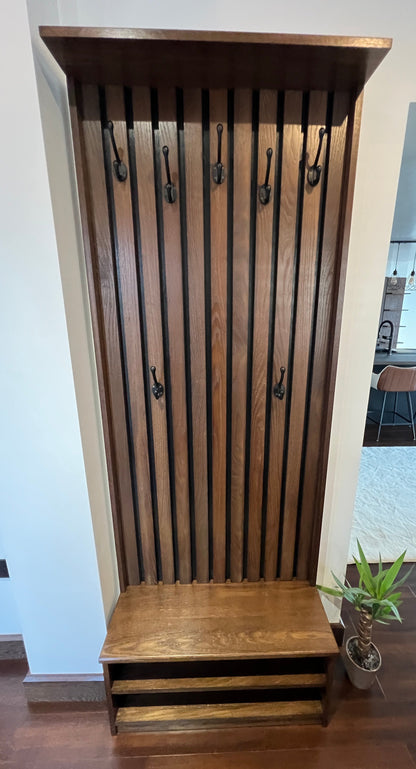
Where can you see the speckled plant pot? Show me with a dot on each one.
(359, 677)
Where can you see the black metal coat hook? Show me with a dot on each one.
(314, 173)
(279, 389)
(265, 189)
(170, 189)
(218, 170)
(157, 387)
(120, 169)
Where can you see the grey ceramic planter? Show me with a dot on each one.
(359, 677)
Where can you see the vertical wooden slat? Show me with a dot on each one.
(303, 323)
(347, 195)
(241, 243)
(218, 114)
(76, 112)
(173, 266)
(131, 320)
(291, 148)
(101, 253)
(150, 268)
(175, 317)
(195, 236)
(263, 265)
(324, 314)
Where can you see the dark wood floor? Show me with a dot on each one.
(391, 435)
(368, 730)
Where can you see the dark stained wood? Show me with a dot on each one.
(382, 725)
(179, 717)
(303, 329)
(214, 59)
(292, 148)
(130, 312)
(218, 114)
(212, 622)
(241, 241)
(264, 256)
(173, 261)
(391, 435)
(150, 267)
(112, 711)
(348, 182)
(318, 396)
(75, 108)
(102, 266)
(195, 236)
(307, 680)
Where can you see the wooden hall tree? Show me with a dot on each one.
(215, 175)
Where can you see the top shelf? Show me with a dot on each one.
(165, 58)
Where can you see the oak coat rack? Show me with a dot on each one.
(215, 175)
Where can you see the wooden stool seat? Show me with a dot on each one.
(395, 379)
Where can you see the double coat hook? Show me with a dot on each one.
(218, 170)
(120, 169)
(265, 189)
(314, 173)
(170, 189)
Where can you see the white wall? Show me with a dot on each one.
(45, 516)
(44, 471)
(9, 618)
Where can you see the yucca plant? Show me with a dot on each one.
(377, 598)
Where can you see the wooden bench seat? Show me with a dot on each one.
(240, 651)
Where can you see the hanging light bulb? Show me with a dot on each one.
(393, 279)
(411, 282)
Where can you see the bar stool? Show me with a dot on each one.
(395, 379)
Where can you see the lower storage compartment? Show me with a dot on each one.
(182, 717)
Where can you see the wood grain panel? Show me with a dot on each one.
(150, 271)
(102, 266)
(220, 683)
(131, 320)
(241, 243)
(173, 266)
(215, 59)
(195, 235)
(291, 149)
(263, 268)
(234, 621)
(303, 323)
(76, 111)
(218, 114)
(325, 306)
(178, 717)
(348, 182)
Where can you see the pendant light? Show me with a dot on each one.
(411, 282)
(393, 279)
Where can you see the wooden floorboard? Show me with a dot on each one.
(391, 435)
(368, 730)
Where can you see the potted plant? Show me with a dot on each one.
(377, 599)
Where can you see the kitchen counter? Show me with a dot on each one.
(395, 359)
